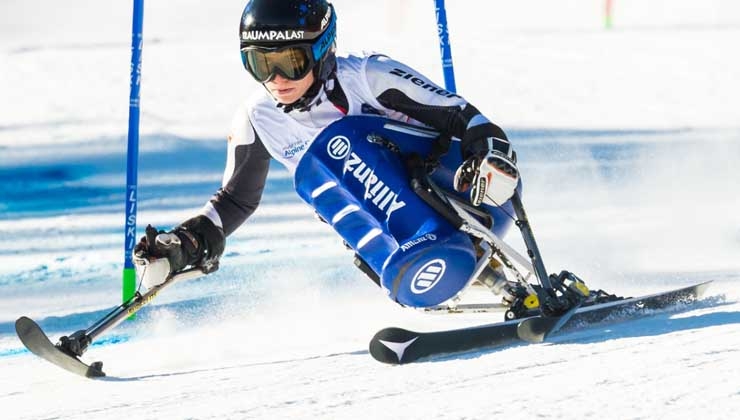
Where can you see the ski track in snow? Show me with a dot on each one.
(627, 141)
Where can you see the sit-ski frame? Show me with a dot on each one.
(495, 247)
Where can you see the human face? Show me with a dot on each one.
(288, 91)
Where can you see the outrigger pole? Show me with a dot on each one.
(445, 50)
(132, 160)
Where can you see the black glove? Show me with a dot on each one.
(196, 242)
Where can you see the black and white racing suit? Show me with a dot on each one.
(374, 84)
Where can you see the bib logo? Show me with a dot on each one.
(382, 196)
(271, 35)
(294, 149)
(428, 276)
(338, 147)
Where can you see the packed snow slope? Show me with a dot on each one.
(628, 140)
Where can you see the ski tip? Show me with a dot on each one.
(391, 345)
(23, 325)
(37, 342)
(22, 320)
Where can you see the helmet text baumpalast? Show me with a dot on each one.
(272, 35)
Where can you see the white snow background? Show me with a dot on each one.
(628, 140)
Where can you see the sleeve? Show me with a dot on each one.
(247, 165)
(403, 89)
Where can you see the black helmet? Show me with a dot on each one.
(289, 37)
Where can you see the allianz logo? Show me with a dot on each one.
(382, 196)
(338, 147)
(416, 241)
(428, 276)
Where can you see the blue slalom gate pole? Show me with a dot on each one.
(132, 161)
(445, 48)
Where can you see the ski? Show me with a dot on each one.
(38, 343)
(537, 328)
(398, 346)
(69, 349)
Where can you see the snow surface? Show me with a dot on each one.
(628, 142)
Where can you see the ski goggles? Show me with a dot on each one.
(292, 62)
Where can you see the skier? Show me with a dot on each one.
(290, 49)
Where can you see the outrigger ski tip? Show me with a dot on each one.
(66, 353)
(36, 341)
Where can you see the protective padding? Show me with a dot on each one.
(359, 185)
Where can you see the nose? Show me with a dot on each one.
(279, 79)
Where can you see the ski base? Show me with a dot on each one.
(33, 337)
(399, 346)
